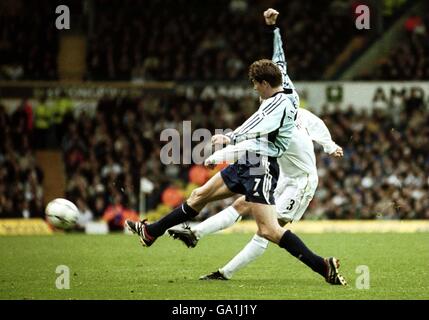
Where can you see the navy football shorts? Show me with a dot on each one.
(254, 176)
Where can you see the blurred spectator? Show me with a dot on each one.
(61, 115)
(414, 103)
(99, 206)
(413, 23)
(116, 214)
(85, 214)
(44, 134)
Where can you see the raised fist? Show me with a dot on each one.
(270, 16)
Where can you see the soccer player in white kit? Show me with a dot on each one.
(297, 182)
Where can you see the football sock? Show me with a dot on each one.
(298, 249)
(180, 214)
(255, 248)
(219, 221)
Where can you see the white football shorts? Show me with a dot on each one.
(293, 195)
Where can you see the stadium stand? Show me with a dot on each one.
(201, 49)
(28, 41)
(384, 173)
(218, 46)
(409, 60)
(21, 192)
(137, 40)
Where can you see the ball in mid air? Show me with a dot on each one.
(62, 213)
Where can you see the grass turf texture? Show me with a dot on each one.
(117, 267)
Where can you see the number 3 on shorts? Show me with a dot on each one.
(292, 202)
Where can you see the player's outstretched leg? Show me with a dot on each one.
(148, 233)
(327, 268)
(214, 189)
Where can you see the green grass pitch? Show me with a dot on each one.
(117, 267)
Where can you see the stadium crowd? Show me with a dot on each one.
(140, 40)
(141, 45)
(21, 191)
(409, 60)
(28, 40)
(384, 174)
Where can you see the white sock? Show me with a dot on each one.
(219, 221)
(255, 248)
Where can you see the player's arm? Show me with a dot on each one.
(319, 132)
(274, 113)
(278, 57)
(230, 153)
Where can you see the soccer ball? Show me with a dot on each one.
(62, 213)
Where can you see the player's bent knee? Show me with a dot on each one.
(271, 233)
(266, 236)
(282, 222)
(197, 196)
(266, 233)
